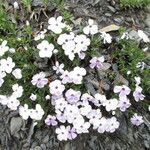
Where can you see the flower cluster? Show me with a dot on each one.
(74, 112)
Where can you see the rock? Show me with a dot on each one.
(119, 20)
(43, 146)
(15, 125)
(46, 139)
(109, 28)
(108, 14)
(37, 148)
(36, 3)
(133, 34)
(112, 9)
(147, 21)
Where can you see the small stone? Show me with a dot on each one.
(15, 125)
(108, 14)
(37, 148)
(133, 34)
(119, 20)
(112, 9)
(46, 139)
(147, 21)
(43, 146)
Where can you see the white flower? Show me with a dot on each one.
(37, 113)
(17, 73)
(101, 98)
(7, 64)
(102, 125)
(122, 90)
(91, 28)
(62, 133)
(47, 97)
(111, 104)
(1, 81)
(125, 36)
(77, 75)
(58, 67)
(85, 108)
(137, 80)
(16, 6)
(106, 37)
(3, 48)
(2, 73)
(66, 77)
(56, 25)
(40, 35)
(56, 87)
(24, 112)
(17, 90)
(13, 103)
(81, 126)
(112, 124)
(3, 99)
(46, 49)
(60, 104)
(39, 80)
(143, 36)
(33, 97)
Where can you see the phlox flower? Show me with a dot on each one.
(37, 113)
(81, 126)
(72, 96)
(24, 112)
(102, 125)
(56, 25)
(46, 49)
(137, 80)
(122, 90)
(111, 104)
(124, 103)
(66, 77)
(33, 97)
(100, 99)
(58, 67)
(17, 90)
(1, 81)
(2, 73)
(125, 36)
(82, 42)
(106, 37)
(137, 120)
(61, 117)
(62, 133)
(77, 75)
(60, 104)
(97, 62)
(143, 36)
(17, 73)
(71, 133)
(91, 28)
(3, 99)
(13, 103)
(85, 108)
(39, 80)
(64, 38)
(51, 120)
(7, 65)
(140, 65)
(137, 94)
(94, 117)
(56, 87)
(112, 124)
(86, 97)
(3, 48)
(40, 35)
